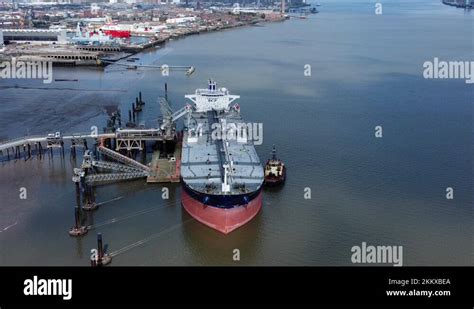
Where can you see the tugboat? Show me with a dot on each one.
(275, 170)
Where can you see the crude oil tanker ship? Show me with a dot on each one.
(221, 173)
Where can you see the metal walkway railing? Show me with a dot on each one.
(124, 159)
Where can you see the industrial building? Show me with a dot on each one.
(33, 35)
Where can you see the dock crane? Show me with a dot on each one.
(170, 117)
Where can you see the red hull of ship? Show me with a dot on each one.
(224, 220)
(118, 33)
(274, 181)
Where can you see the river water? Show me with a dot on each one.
(366, 71)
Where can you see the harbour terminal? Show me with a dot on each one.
(266, 143)
(97, 34)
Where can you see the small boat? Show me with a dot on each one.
(275, 171)
(190, 70)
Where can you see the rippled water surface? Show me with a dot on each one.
(366, 70)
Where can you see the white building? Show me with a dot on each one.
(180, 20)
(46, 2)
(95, 9)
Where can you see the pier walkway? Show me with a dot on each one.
(159, 170)
(41, 138)
(126, 138)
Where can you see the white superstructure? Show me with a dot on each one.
(212, 99)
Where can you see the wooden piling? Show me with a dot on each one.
(77, 229)
(100, 249)
(73, 149)
(102, 258)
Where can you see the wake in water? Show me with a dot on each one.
(149, 238)
(128, 216)
(9, 226)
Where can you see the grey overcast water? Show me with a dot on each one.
(367, 70)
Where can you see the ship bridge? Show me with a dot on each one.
(212, 98)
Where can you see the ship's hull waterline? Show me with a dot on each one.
(224, 220)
